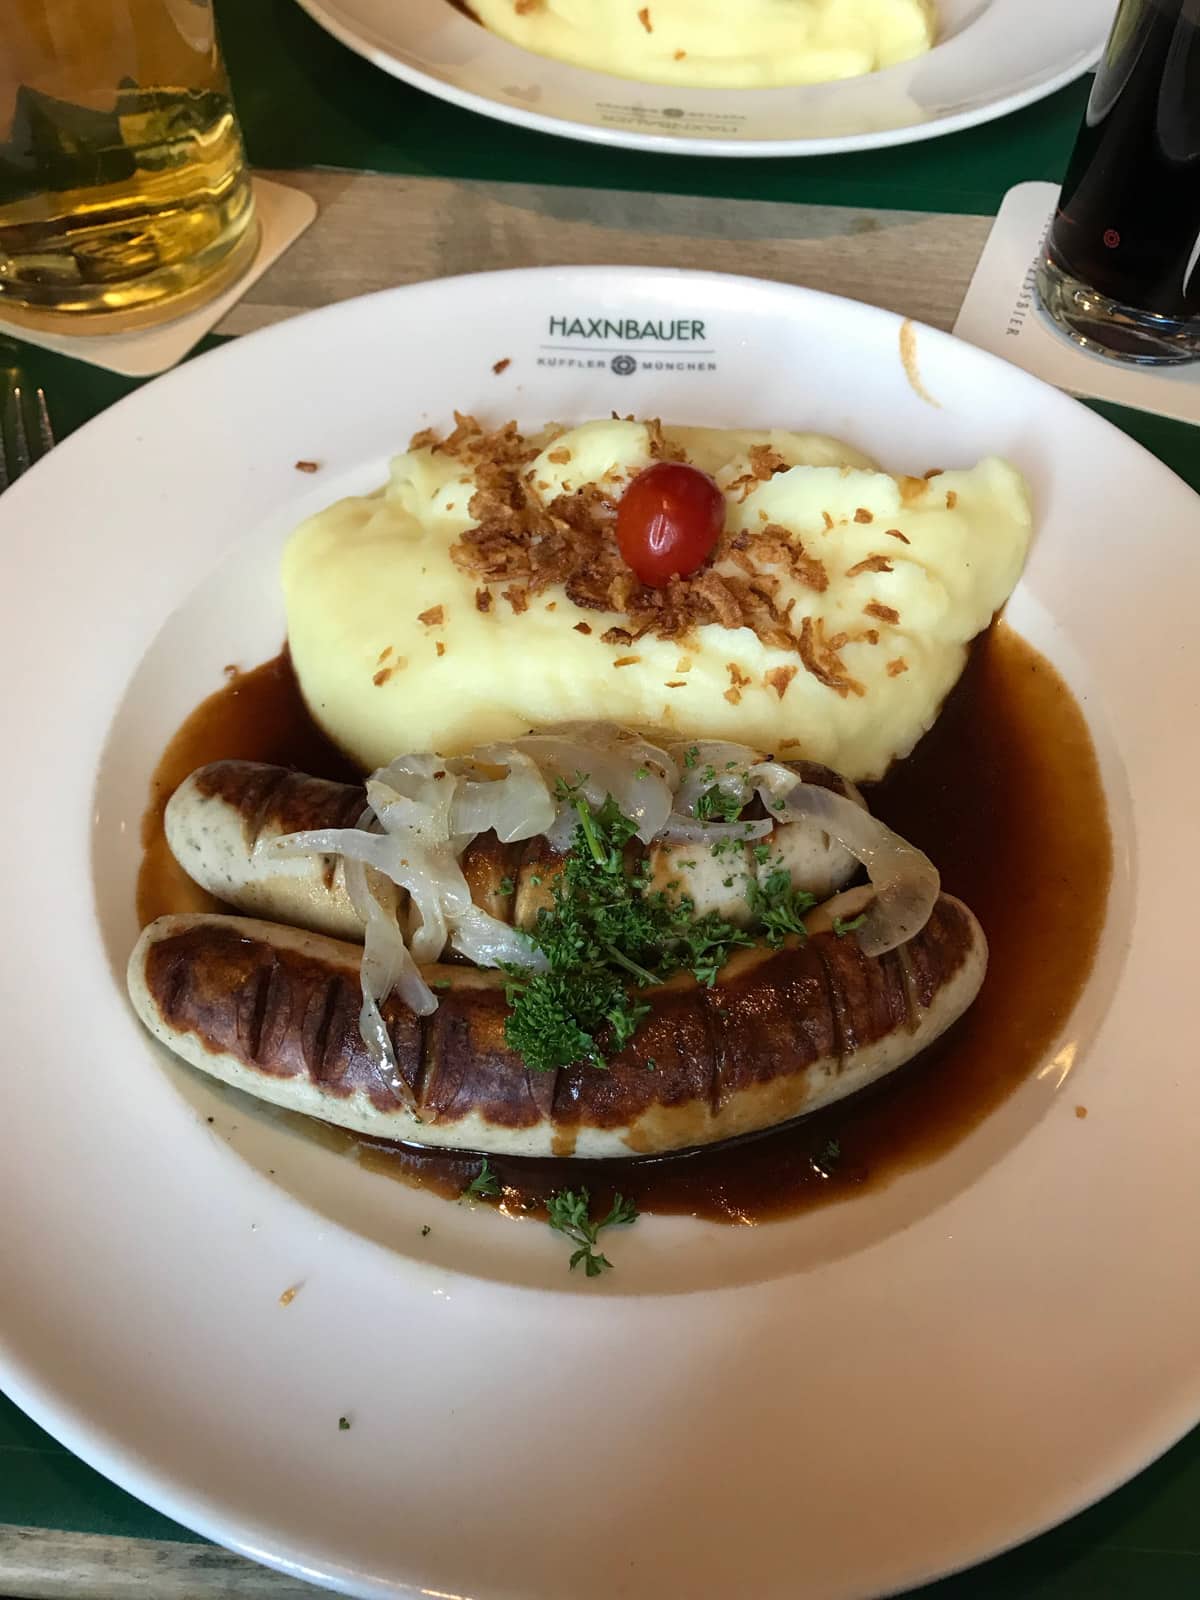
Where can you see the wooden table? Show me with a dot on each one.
(374, 231)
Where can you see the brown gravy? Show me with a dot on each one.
(1004, 794)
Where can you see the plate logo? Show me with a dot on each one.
(695, 122)
(626, 345)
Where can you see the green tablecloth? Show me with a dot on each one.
(305, 101)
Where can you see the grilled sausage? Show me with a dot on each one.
(216, 818)
(219, 817)
(274, 1011)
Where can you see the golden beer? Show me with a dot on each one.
(124, 194)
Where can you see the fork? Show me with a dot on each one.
(25, 431)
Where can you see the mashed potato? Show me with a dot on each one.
(399, 646)
(713, 44)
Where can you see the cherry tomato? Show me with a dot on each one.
(668, 521)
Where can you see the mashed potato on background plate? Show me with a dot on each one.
(718, 44)
(874, 586)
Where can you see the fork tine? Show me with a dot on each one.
(45, 431)
(26, 433)
(20, 454)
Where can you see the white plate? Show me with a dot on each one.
(830, 1406)
(992, 57)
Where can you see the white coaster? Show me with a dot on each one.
(1001, 313)
(283, 215)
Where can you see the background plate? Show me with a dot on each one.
(992, 57)
(868, 1395)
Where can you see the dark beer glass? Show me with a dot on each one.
(1120, 273)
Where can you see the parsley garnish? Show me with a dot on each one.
(568, 1212)
(567, 791)
(602, 934)
(507, 886)
(724, 846)
(715, 805)
(343, 1424)
(485, 1183)
(843, 928)
(779, 907)
(555, 1016)
(827, 1159)
(426, 1231)
(691, 755)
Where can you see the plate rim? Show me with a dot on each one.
(697, 145)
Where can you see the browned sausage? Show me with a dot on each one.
(222, 813)
(274, 1011)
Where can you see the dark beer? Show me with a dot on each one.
(1123, 255)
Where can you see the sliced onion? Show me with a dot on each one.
(386, 965)
(414, 794)
(713, 763)
(426, 929)
(517, 806)
(488, 942)
(774, 781)
(409, 866)
(636, 782)
(433, 877)
(411, 773)
(442, 908)
(561, 831)
(611, 736)
(682, 829)
(906, 882)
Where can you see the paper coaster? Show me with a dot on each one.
(1001, 313)
(283, 215)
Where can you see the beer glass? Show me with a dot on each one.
(124, 194)
(1120, 273)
